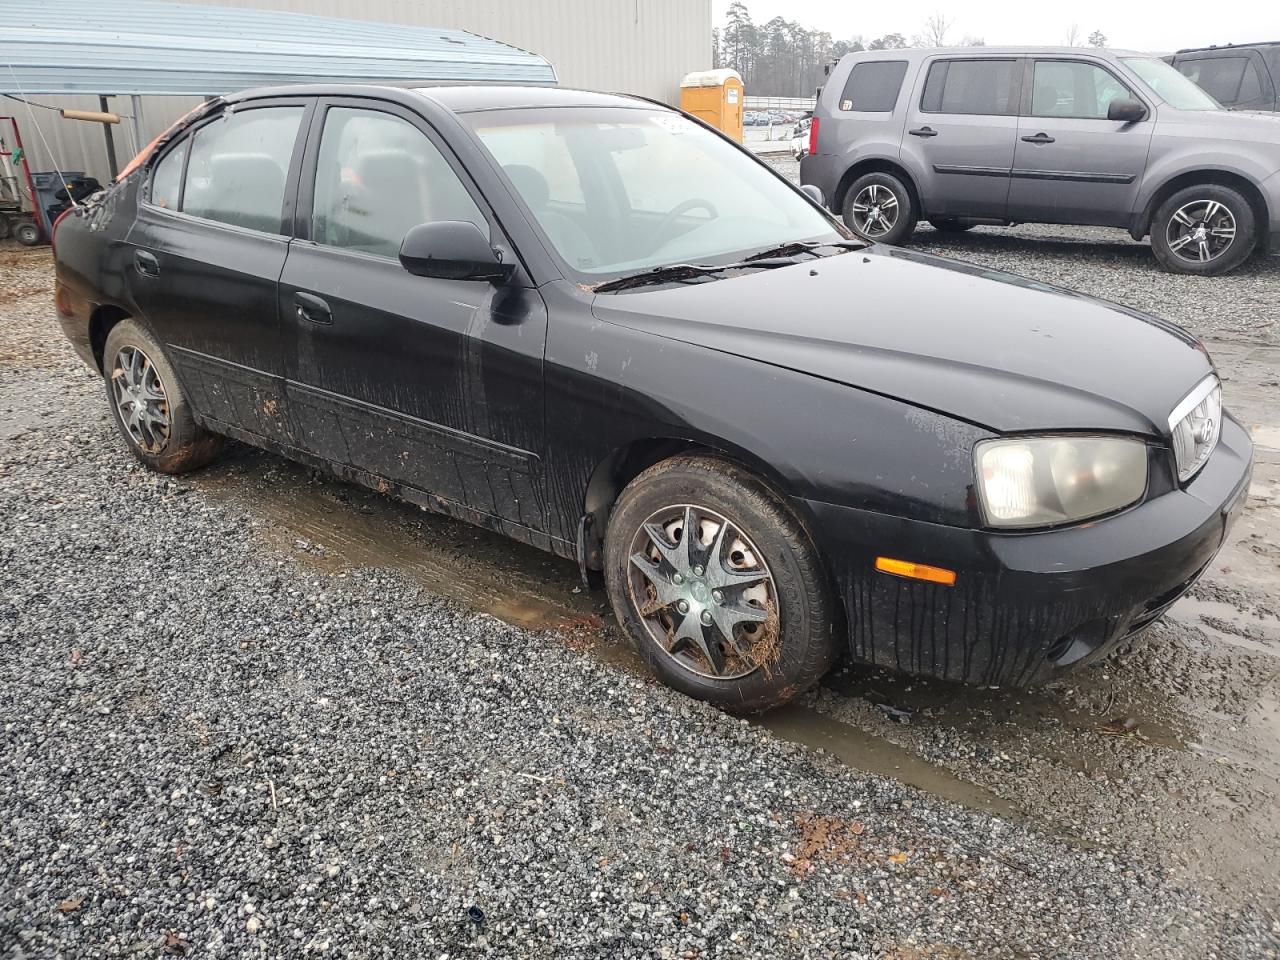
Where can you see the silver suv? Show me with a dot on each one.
(1045, 135)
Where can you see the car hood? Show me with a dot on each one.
(997, 350)
(1227, 124)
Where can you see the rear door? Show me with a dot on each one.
(1072, 164)
(962, 124)
(1237, 79)
(209, 243)
(433, 384)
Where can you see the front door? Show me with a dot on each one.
(208, 246)
(433, 384)
(960, 133)
(1072, 164)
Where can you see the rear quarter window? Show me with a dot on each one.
(873, 87)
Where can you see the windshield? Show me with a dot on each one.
(618, 190)
(1171, 86)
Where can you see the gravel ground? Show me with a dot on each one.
(215, 749)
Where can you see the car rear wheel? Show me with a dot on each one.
(1205, 230)
(878, 207)
(148, 405)
(718, 585)
(950, 226)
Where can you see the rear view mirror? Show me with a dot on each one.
(452, 250)
(1126, 111)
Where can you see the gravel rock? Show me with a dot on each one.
(220, 752)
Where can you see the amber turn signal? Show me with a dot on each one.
(916, 571)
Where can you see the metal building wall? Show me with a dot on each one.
(627, 46)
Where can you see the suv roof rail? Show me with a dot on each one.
(1228, 46)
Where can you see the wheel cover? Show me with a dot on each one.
(140, 399)
(1201, 231)
(708, 601)
(875, 210)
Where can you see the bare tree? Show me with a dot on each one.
(1097, 39)
(1073, 36)
(936, 29)
(971, 41)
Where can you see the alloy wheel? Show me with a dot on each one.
(140, 399)
(1201, 231)
(704, 593)
(875, 210)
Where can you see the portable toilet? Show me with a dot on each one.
(714, 96)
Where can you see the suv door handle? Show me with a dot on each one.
(1038, 138)
(146, 263)
(309, 307)
(923, 132)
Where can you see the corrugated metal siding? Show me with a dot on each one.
(629, 46)
(141, 46)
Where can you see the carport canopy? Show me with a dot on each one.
(144, 47)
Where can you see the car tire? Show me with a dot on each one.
(5, 228)
(1217, 209)
(946, 225)
(766, 567)
(872, 187)
(148, 405)
(27, 234)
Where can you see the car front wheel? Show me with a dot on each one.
(1206, 230)
(148, 405)
(718, 585)
(878, 207)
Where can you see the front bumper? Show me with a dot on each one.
(1028, 606)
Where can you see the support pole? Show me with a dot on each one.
(139, 134)
(110, 138)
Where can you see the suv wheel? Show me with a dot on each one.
(878, 208)
(148, 405)
(1204, 230)
(718, 585)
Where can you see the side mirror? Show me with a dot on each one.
(1126, 111)
(814, 194)
(452, 250)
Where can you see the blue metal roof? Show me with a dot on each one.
(145, 47)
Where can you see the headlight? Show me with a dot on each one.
(1039, 481)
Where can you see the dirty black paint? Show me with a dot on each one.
(857, 391)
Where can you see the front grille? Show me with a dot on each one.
(1196, 424)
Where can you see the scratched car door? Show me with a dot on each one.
(428, 383)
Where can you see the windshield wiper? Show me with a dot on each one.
(805, 246)
(676, 272)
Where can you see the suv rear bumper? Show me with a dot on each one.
(823, 171)
(1026, 607)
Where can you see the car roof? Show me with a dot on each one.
(459, 98)
(905, 53)
(1230, 46)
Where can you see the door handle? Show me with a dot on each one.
(146, 263)
(1038, 138)
(309, 307)
(923, 132)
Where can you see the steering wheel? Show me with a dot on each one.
(679, 210)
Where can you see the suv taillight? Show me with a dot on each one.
(813, 136)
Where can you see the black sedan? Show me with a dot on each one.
(598, 326)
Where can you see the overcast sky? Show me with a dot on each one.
(1159, 28)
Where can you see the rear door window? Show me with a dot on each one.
(1220, 77)
(239, 165)
(1072, 88)
(873, 87)
(982, 87)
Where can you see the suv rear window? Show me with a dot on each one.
(873, 87)
(1221, 77)
(983, 87)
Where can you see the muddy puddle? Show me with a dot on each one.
(1133, 753)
